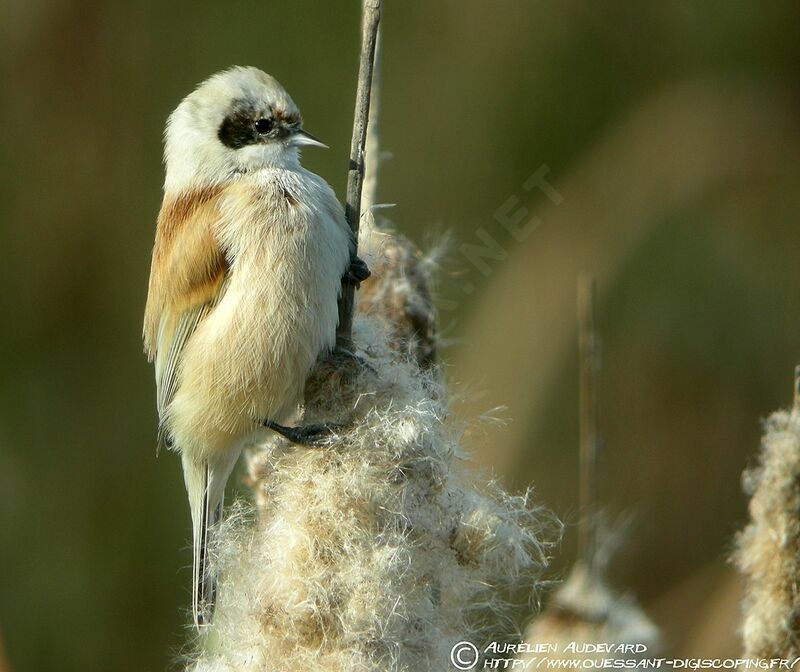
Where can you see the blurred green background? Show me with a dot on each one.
(670, 129)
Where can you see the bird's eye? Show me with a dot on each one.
(263, 125)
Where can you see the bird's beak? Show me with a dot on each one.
(303, 138)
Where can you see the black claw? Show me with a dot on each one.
(357, 272)
(306, 435)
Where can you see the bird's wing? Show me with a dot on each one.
(187, 278)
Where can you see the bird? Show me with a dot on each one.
(250, 253)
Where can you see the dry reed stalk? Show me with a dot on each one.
(588, 347)
(585, 610)
(768, 549)
(355, 175)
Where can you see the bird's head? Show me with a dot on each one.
(237, 121)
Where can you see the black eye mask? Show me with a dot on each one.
(238, 128)
(248, 125)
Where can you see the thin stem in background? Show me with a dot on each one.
(589, 366)
(372, 158)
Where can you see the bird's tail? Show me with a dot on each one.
(205, 485)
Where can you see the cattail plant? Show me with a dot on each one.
(585, 610)
(768, 549)
(382, 549)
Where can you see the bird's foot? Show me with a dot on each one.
(307, 435)
(357, 272)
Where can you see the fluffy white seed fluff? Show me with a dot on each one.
(381, 550)
(585, 610)
(768, 549)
